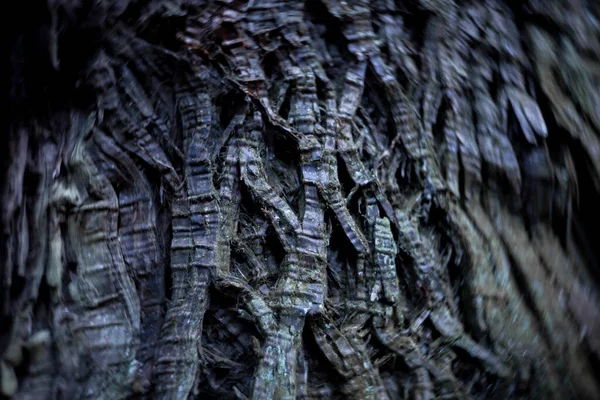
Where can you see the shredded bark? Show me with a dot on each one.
(301, 199)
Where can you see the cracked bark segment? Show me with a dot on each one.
(116, 120)
(301, 284)
(385, 255)
(195, 253)
(345, 146)
(458, 124)
(138, 241)
(494, 145)
(142, 259)
(176, 359)
(104, 295)
(321, 182)
(449, 326)
(400, 342)
(229, 202)
(299, 287)
(254, 178)
(276, 374)
(396, 37)
(510, 69)
(345, 350)
(259, 311)
(356, 26)
(425, 262)
(446, 72)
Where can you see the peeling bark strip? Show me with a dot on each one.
(301, 199)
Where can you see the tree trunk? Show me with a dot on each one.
(314, 200)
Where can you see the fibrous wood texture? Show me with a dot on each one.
(277, 199)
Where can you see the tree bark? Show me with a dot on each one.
(287, 199)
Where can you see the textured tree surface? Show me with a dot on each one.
(315, 200)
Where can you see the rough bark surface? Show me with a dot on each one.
(280, 199)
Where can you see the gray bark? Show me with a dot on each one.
(287, 199)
